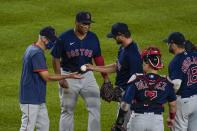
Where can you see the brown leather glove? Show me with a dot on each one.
(106, 91)
(117, 94)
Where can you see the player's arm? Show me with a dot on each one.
(46, 77)
(177, 84)
(56, 65)
(99, 61)
(172, 113)
(175, 74)
(172, 106)
(172, 109)
(57, 69)
(56, 54)
(103, 69)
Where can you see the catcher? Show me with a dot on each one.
(146, 93)
(128, 63)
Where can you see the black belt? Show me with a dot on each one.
(142, 112)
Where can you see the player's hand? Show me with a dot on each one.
(89, 66)
(63, 83)
(170, 122)
(76, 76)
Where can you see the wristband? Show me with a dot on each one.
(172, 115)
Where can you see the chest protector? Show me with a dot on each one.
(150, 92)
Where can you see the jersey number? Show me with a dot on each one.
(192, 75)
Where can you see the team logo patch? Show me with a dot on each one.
(151, 94)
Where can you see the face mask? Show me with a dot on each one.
(49, 45)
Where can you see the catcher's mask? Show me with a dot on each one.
(152, 56)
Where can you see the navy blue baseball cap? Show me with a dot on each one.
(49, 33)
(118, 29)
(84, 17)
(177, 38)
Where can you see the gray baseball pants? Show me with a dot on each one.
(145, 122)
(186, 115)
(88, 89)
(34, 116)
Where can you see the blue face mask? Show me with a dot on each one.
(49, 45)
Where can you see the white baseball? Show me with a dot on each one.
(83, 68)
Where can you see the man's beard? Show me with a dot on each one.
(171, 50)
(82, 32)
(119, 42)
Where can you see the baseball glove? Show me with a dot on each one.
(106, 91)
(117, 94)
(116, 127)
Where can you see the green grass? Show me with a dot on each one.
(20, 20)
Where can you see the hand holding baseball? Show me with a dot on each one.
(83, 68)
(89, 67)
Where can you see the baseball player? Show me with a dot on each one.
(128, 61)
(183, 73)
(77, 47)
(146, 94)
(33, 83)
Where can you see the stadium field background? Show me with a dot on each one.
(20, 21)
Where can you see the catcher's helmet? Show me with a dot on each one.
(152, 56)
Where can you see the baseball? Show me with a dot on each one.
(83, 68)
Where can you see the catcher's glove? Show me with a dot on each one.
(106, 91)
(116, 127)
(117, 94)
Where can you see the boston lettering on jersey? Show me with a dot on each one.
(79, 52)
(75, 52)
